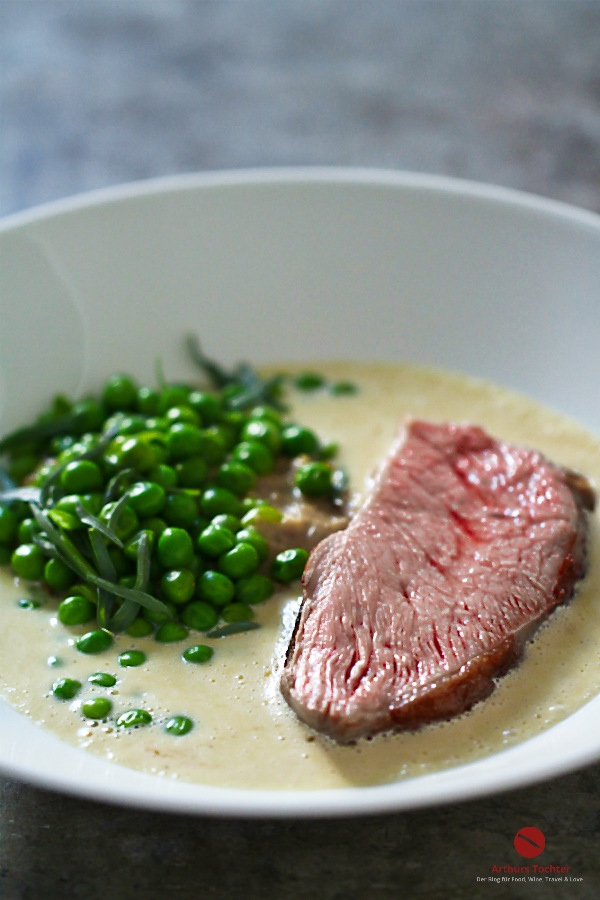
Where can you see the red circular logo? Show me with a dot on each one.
(529, 842)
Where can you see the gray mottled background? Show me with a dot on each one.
(97, 92)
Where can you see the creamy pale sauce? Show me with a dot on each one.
(244, 734)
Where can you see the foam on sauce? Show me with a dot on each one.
(244, 734)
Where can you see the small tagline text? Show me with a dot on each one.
(533, 872)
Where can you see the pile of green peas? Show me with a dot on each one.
(189, 464)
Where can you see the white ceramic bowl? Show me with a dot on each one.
(300, 264)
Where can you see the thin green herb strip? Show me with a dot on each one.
(128, 611)
(38, 432)
(253, 388)
(231, 628)
(97, 524)
(107, 570)
(27, 494)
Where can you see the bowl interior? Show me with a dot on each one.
(275, 268)
(302, 265)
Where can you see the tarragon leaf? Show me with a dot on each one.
(28, 493)
(231, 628)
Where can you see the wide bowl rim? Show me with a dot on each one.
(380, 799)
(295, 175)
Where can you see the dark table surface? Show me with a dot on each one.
(98, 92)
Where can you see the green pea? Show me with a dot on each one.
(199, 615)
(309, 381)
(140, 628)
(179, 725)
(265, 432)
(146, 498)
(255, 455)
(93, 501)
(261, 512)
(313, 479)
(237, 612)
(102, 679)
(134, 717)
(192, 472)
(131, 658)
(96, 641)
(125, 424)
(250, 535)
(171, 632)
(329, 450)
(184, 440)
(42, 473)
(208, 405)
(126, 523)
(139, 454)
(96, 708)
(297, 440)
(112, 453)
(164, 476)
(266, 412)
(9, 524)
(157, 423)
(215, 588)
(28, 603)
(119, 392)
(27, 528)
(156, 525)
(255, 588)
(173, 395)
(69, 505)
(241, 560)
(178, 586)
(344, 387)
(215, 540)
(199, 653)
(236, 477)
(175, 548)
(28, 562)
(68, 521)
(216, 441)
(224, 520)
(58, 575)
(131, 548)
(85, 443)
(184, 413)
(289, 565)
(66, 688)
(147, 401)
(219, 500)
(81, 477)
(181, 510)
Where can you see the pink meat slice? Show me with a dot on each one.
(463, 546)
